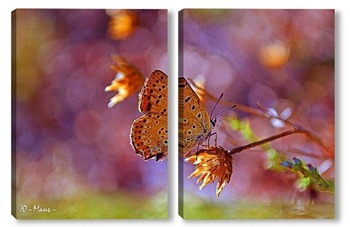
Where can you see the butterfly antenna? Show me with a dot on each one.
(225, 110)
(212, 111)
(213, 120)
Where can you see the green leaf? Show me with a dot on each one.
(303, 183)
(308, 176)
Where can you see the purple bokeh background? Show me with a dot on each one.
(67, 140)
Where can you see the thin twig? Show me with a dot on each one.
(269, 139)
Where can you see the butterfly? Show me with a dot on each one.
(195, 124)
(149, 133)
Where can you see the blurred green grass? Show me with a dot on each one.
(134, 206)
(99, 206)
(196, 208)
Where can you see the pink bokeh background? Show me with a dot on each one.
(271, 58)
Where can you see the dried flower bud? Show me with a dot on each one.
(128, 80)
(212, 163)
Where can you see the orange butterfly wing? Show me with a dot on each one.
(194, 120)
(149, 133)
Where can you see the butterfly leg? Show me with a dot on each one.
(215, 139)
(197, 150)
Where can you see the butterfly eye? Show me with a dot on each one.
(213, 122)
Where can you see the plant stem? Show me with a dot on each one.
(269, 139)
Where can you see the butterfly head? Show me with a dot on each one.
(213, 121)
